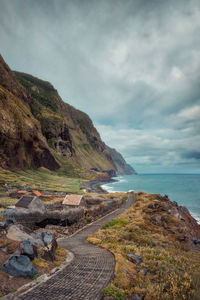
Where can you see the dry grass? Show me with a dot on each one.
(173, 269)
(7, 201)
(44, 266)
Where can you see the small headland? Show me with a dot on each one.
(156, 244)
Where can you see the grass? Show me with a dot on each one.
(117, 223)
(173, 268)
(46, 266)
(7, 201)
(41, 179)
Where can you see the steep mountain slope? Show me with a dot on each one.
(22, 144)
(120, 163)
(38, 129)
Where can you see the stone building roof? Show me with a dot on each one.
(72, 200)
(25, 201)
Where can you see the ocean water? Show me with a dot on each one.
(182, 188)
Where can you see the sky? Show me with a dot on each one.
(132, 65)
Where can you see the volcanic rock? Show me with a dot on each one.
(28, 249)
(19, 265)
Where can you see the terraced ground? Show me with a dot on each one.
(90, 271)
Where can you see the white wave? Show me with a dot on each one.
(197, 218)
(119, 180)
(109, 189)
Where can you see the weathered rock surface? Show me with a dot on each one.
(27, 248)
(32, 243)
(47, 238)
(31, 217)
(15, 233)
(165, 213)
(19, 265)
(49, 251)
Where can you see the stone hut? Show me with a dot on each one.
(74, 200)
(32, 203)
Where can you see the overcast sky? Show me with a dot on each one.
(133, 66)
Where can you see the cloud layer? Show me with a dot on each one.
(132, 65)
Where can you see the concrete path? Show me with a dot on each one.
(89, 272)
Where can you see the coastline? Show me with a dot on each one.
(96, 186)
(111, 189)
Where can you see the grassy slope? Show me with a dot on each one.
(173, 270)
(41, 179)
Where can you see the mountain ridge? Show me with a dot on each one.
(39, 129)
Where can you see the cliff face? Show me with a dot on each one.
(38, 129)
(22, 144)
(120, 163)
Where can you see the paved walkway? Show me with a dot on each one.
(89, 272)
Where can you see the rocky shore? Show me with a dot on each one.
(95, 186)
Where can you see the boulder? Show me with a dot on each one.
(45, 244)
(47, 238)
(19, 265)
(136, 259)
(15, 233)
(28, 249)
(37, 242)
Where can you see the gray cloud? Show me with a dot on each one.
(133, 66)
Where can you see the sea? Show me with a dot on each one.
(182, 188)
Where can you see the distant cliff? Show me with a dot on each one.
(120, 163)
(38, 129)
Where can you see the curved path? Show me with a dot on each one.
(90, 271)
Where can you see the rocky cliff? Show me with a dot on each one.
(38, 129)
(119, 161)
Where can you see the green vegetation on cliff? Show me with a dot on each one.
(38, 129)
(41, 179)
